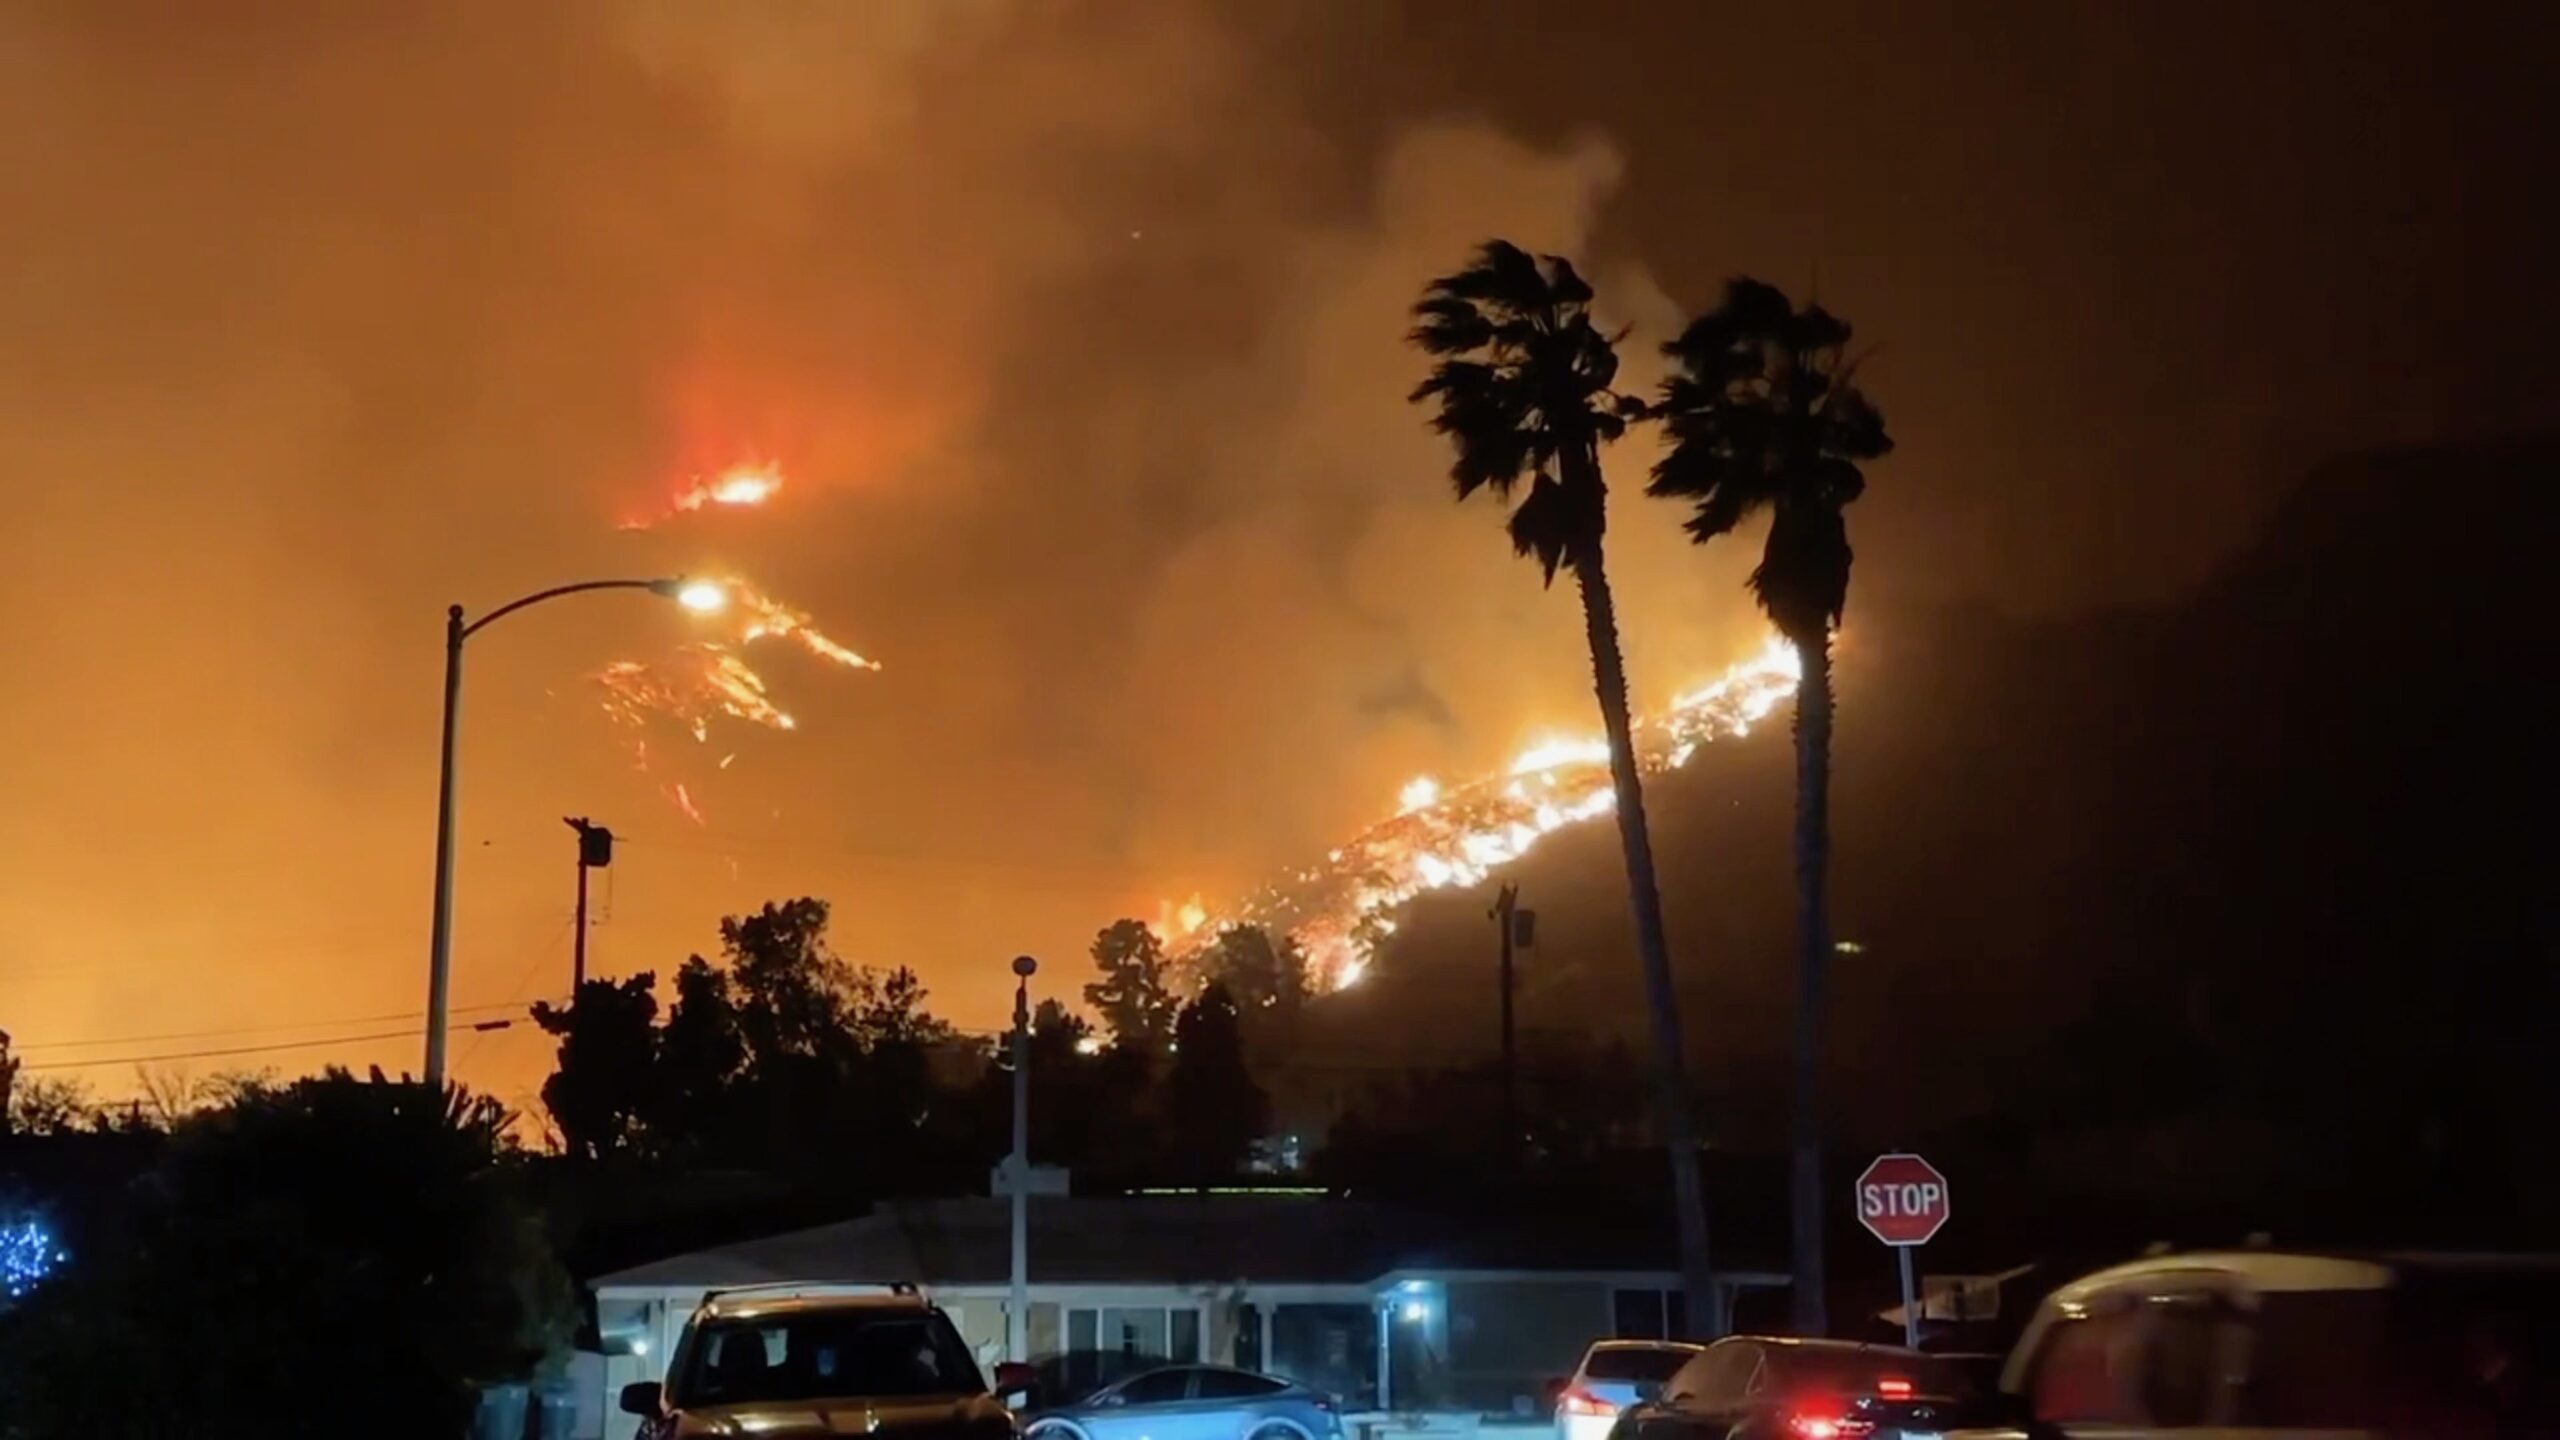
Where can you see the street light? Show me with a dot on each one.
(1017, 1318)
(699, 596)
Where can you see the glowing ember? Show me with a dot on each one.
(739, 485)
(683, 799)
(1338, 911)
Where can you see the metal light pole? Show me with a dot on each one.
(695, 595)
(1017, 1318)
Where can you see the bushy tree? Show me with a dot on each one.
(702, 1059)
(1259, 974)
(602, 1088)
(1213, 1110)
(1133, 997)
(330, 1249)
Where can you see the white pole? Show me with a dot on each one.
(1910, 1306)
(1017, 1319)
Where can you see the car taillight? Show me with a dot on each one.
(1828, 1427)
(1583, 1402)
(1892, 1388)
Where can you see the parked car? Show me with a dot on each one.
(2445, 1347)
(1613, 1375)
(786, 1362)
(1193, 1402)
(1768, 1387)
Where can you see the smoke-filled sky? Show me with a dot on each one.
(1076, 330)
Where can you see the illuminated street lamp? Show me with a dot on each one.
(700, 596)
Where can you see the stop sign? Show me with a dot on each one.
(1902, 1199)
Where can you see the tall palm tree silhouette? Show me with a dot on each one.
(1523, 394)
(1762, 414)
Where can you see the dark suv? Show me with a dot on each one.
(783, 1363)
(1774, 1387)
(2439, 1346)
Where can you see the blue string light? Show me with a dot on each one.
(28, 1253)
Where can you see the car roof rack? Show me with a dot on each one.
(803, 1289)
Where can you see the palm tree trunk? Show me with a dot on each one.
(1813, 938)
(1679, 1134)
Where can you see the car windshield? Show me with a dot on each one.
(824, 1355)
(1844, 1371)
(1644, 1364)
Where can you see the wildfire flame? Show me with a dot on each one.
(711, 679)
(740, 485)
(1442, 835)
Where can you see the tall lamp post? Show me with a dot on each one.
(697, 595)
(1017, 1319)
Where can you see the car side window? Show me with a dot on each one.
(1157, 1387)
(2163, 1361)
(1234, 1385)
(2185, 1361)
(2087, 1369)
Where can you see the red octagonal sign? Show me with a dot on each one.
(1902, 1199)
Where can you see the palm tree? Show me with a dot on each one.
(1763, 414)
(1522, 390)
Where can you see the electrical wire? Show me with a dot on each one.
(228, 1051)
(167, 1035)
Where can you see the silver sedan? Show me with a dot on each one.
(1193, 1402)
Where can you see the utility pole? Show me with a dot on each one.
(1017, 1317)
(595, 851)
(1506, 906)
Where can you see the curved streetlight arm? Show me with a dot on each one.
(662, 587)
(440, 937)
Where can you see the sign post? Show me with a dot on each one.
(1902, 1200)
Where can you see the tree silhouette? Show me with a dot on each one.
(1522, 391)
(8, 1084)
(51, 1105)
(1259, 975)
(1132, 997)
(702, 1060)
(888, 1009)
(336, 1241)
(1762, 415)
(794, 995)
(1213, 1109)
(601, 1092)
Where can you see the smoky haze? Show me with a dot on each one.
(1076, 329)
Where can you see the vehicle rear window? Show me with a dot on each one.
(815, 1355)
(1644, 1364)
(1840, 1370)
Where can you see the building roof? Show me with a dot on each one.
(1145, 1240)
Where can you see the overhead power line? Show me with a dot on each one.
(269, 1049)
(167, 1035)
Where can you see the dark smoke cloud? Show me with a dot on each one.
(1077, 326)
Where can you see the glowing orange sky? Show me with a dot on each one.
(1076, 329)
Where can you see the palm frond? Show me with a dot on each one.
(1522, 390)
(1566, 287)
(1763, 412)
(1543, 524)
(1446, 325)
